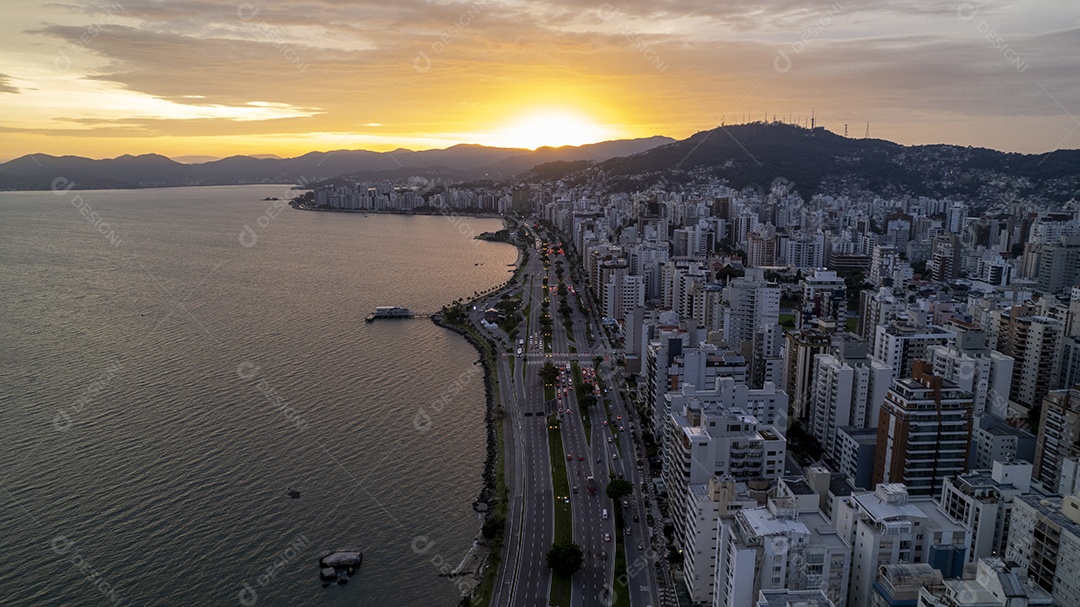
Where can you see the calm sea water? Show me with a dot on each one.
(161, 384)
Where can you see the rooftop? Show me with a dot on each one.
(793, 598)
(798, 486)
(999, 427)
(1050, 509)
(865, 436)
(880, 510)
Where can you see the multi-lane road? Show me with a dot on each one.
(523, 577)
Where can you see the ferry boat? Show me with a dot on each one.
(389, 312)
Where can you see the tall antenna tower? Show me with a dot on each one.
(867, 135)
(845, 129)
(813, 120)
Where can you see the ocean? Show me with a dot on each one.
(173, 360)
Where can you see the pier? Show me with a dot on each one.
(394, 312)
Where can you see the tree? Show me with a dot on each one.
(549, 373)
(597, 360)
(565, 558)
(619, 488)
(493, 526)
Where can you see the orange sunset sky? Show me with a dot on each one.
(200, 78)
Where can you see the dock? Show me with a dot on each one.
(394, 312)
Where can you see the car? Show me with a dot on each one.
(620, 428)
(628, 531)
(569, 457)
(605, 422)
(640, 547)
(625, 503)
(609, 439)
(607, 537)
(575, 489)
(603, 555)
(636, 518)
(614, 456)
(618, 417)
(581, 458)
(598, 460)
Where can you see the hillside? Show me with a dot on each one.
(460, 162)
(818, 161)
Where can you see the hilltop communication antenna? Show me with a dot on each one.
(867, 135)
(813, 120)
(845, 129)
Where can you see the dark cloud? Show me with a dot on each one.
(354, 62)
(6, 86)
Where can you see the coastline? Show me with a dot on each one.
(481, 503)
(419, 211)
(480, 554)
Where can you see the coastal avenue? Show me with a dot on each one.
(523, 577)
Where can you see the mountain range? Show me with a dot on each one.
(459, 163)
(817, 161)
(811, 161)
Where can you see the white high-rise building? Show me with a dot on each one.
(899, 344)
(824, 295)
(981, 501)
(622, 294)
(672, 363)
(885, 527)
(780, 547)
(1035, 343)
(848, 389)
(1044, 540)
(995, 584)
(708, 441)
(975, 368)
(751, 302)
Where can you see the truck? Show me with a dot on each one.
(591, 484)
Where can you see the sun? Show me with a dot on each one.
(553, 128)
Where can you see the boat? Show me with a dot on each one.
(389, 312)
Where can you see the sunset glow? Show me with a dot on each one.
(552, 128)
(100, 79)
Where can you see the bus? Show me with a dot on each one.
(591, 483)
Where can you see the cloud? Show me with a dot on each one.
(663, 66)
(6, 86)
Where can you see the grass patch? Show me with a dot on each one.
(564, 522)
(622, 592)
(851, 324)
(586, 413)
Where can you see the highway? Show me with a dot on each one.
(523, 578)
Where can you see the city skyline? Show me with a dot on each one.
(101, 79)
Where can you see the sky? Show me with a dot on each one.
(189, 78)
